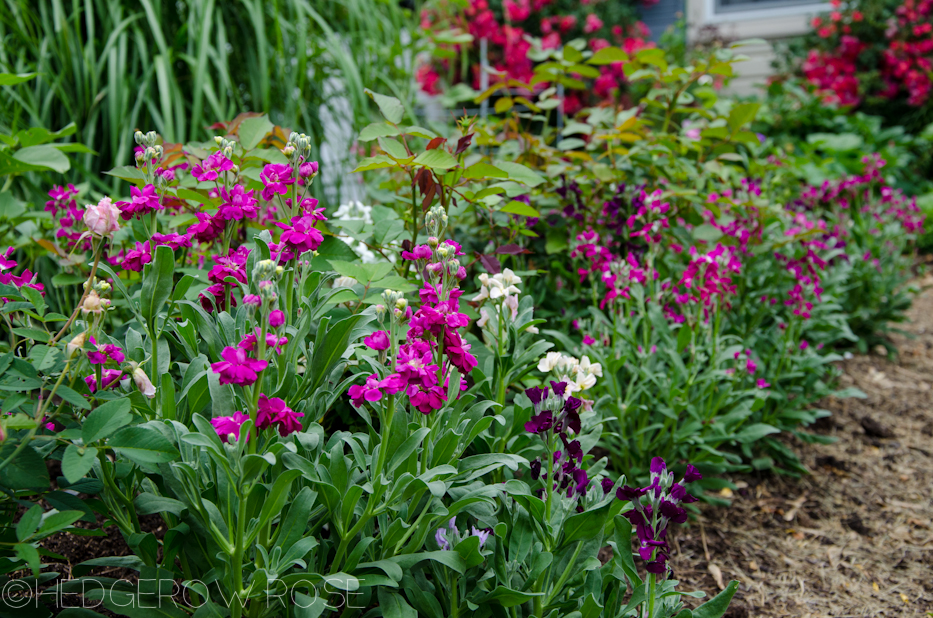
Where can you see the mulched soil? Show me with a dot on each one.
(854, 538)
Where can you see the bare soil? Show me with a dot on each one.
(855, 537)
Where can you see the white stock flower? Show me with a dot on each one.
(586, 366)
(508, 277)
(550, 360)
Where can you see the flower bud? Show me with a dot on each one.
(142, 383)
(140, 157)
(276, 318)
(92, 303)
(264, 269)
(218, 140)
(289, 150)
(228, 152)
(139, 137)
(75, 346)
(151, 137)
(401, 303)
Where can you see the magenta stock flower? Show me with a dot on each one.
(210, 168)
(237, 367)
(276, 318)
(378, 341)
(274, 412)
(308, 169)
(142, 202)
(226, 425)
(207, 229)
(216, 295)
(301, 235)
(134, 259)
(248, 342)
(109, 378)
(276, 177)
(173, 241)
(237, 204)
(103, 353)
(369, 391)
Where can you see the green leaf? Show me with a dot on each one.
(26, 471)
(608, 55)
(45, 156)
(279, 493)
(308, 607)
(72, 397)
(520, 208)
(35, 297)
(742, 114)
(483, 170)
(717, 606)
(53, 522)
(253, 130)
(393, 605)
(76, 464)
(683, 338)
(143, 445)
(28, 554)
(436, 159)
(374, 163)
(157, 285)
(586, 525)
(11, 79)
(521, 174)
(507, 597)
(147, 504)
(377, 130)
(106, 419)
(755, 432)
(28, 523)
(390, 107)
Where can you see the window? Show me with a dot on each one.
(731, 6)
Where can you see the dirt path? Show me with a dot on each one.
(855, 538)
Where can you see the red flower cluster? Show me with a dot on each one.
(507, 35)
(840, 67)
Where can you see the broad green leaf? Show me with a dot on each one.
(436, 159)
(143, 445)
(742, 114)
(53, 522)
(76, 464)
(520, 208)
(484, 170)
(28, 523)
(106, 419)
(608, 55)
(390, 107)
(520, 173)
(46, 156)
(157, 285)
(374, 163)
(377, 130)
(253, 130)
(393, 605)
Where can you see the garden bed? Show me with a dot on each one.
(854, 538)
